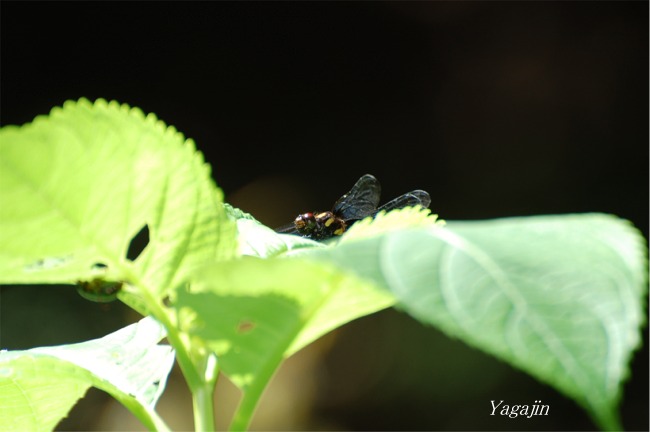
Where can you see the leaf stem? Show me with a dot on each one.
(251, 396)
(245, 410)
(203, 395)
(198, 366)
(200, 374)
(200, 370)
(203, 408)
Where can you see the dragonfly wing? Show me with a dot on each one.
(416, 197)
(287, 229)
(361, 201)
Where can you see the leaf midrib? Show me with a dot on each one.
(555, 345)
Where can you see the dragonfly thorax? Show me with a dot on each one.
(318, 226)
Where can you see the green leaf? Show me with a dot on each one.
(79, 184)
(261, 241)
(254, 313)
(394, 220)
(39, 386)
(560, 297)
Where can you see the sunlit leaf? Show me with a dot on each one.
(39, 386)
(383, 222)
(258, 311)
(560, 297)
(80, 183)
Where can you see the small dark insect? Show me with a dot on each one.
(99, 290)
(360, 202)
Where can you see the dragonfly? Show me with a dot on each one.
(359, 203)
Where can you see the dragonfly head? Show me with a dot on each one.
(305, 223)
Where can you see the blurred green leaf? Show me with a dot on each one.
(254, 313)
(560, 297)
(394, 220)
(250, 310)
(39, 386)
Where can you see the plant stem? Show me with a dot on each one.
(200, 370)
(200, 373)
(251, 396)
(244, 413)
(203, 408)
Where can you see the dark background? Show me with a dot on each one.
(497, 109)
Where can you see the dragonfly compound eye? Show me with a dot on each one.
(305, 223)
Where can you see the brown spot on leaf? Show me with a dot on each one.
(245, 326)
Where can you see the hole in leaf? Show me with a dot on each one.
(138, 243)
(167, 301)
(99, 266)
